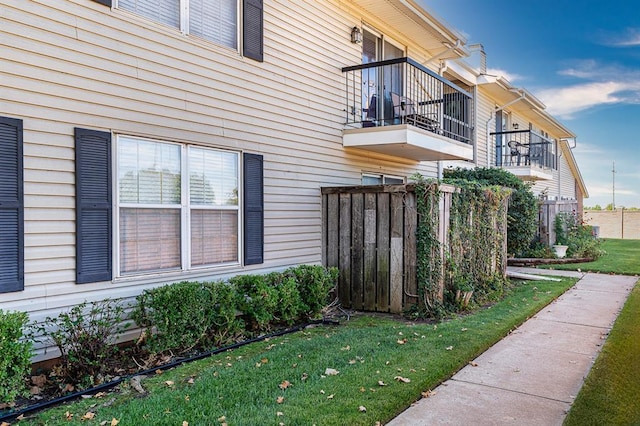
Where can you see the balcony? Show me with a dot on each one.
(398, 107)
(525, 153)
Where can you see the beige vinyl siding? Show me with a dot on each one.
(76, 63)
(485, 142)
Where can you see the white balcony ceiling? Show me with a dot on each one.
(415, 23)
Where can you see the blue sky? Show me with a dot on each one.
(582, 59)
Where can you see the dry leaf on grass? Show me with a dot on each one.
(185, 423)
(449, 348)
(402, 379)
(169, 383)
(114, 421)
(280, 399)
(331, 372)
(362, 409)
(88, 415)
(473, 363)
(330, 396)
(284, 385)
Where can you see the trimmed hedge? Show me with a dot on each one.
(15, 355)
(201, 315)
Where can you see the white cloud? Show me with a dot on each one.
(630, 38)
(568, 100)
(500, 72)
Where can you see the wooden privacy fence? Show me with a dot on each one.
(369, 233)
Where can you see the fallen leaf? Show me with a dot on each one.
(114, 421)
(346, 348)
(279, 414)
(185, 423)
(402, 379)
(20, 417)
(352, 361)
(362, 409)
(222, 419)
(191, 381)
(331, 372)
(473, 363)
(187, 398)
(159, 371)
(449, 348)
(68, 388)
(100, 395)
(39, 381)
(68, 415)
(5, 424)
(280, 399)
(322, 391)
(304, 377)
(169, 383)
(88, 415)
(402, 341)
(427, 394)
(330, 396)
(464, 329)
(264, 360)
(284, 385)
(381, 383)
(362, 389)
(35, 390)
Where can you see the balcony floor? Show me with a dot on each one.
(407, 141)
(530, 173)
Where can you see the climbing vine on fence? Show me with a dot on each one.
(470, 265)
(428, 246)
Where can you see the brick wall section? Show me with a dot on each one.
(615, 224)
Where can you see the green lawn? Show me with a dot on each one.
(622, 257)
(611, 393)
(384, 365)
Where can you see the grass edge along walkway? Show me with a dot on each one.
(612, 388)
(383, 366)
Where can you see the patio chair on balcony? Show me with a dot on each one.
(519, 152)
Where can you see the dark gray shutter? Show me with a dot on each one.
(252, 29)
(253, 209)
(105, 2)
(93, 206)
(11, 206)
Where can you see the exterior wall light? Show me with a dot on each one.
(356, 35)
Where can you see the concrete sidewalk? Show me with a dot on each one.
(532, 376)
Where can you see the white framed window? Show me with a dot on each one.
(177, 204)
(379, 179)
(213, 20)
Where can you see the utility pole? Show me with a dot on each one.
(613, 173)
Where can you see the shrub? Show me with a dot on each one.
(256, 299)
(572, 232)
(186, 315)
(85, 336)
(522, 219)
(15, 355)
(315, 283)
(289, 307)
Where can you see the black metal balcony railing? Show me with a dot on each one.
(401, 91)
(524, 148)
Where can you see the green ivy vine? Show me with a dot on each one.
(468, 267)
